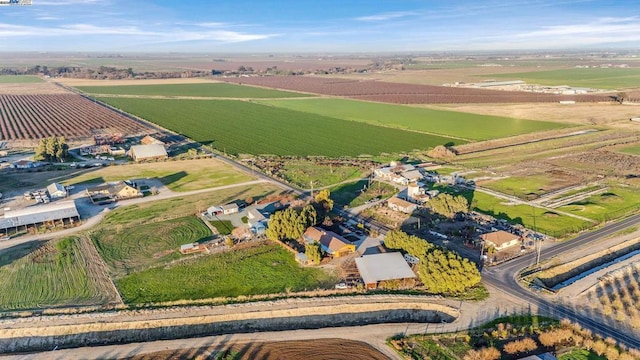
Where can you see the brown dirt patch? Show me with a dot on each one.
(329, 349)
(31, 88)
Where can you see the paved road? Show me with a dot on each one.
(503, 277)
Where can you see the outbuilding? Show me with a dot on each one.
(383, 267)
(500, 240)
(151, 152)
(56, 191)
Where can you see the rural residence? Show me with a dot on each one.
(404, 206)
(223, 210)
(256, 221)
(59, 213)
(150, 140)
(152, 152)
(56, 191)
(500, 240)
(331, 243)
(113, 192)
(383, 267)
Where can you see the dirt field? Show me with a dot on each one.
(329, 349)
(31, 88)
(612, 114)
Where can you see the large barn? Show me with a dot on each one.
(383, 267)
(151, 152)
(58, 213)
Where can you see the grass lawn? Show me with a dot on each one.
(260, 269)
(442, 122)
(303, 172)
(241, 127)
(37, 275)
(19, 79)
(611, 204)
(352, 194)
(595, 78)
(196, 90)
(524, 187)
(183, 175)
(224, 227)
(580, 354)
(632, 150)
(127, 249)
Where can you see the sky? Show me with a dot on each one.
(288, 26)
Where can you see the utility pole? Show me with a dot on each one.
(311, 190)
(539, 241)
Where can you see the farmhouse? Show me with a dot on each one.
(222, 209)
(413, 175)
(113, 192)
(404, 206)
(152, 152)
(256, 221)
(150, 140)
(330, 242)
(500, 240)
(25, 164)
(59, 213)
(56, 191)
(383, 267)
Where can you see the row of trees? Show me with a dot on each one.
(291, 223)
(448, 205)
(52, 149)
(440, 270)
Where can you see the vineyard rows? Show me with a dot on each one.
(404, 93)
(28, 117)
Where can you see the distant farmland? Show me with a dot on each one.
(19, 79)
(442, 122)
(195, 90)
(598, 78)
(242, 127)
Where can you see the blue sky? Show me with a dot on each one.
(318, 26)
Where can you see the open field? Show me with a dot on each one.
(613, 203)
(611, 114)
(125, 82)
(598, 78)
(317, 349)
(303, 172)
(127, 249)
(403, 93)
(633, 150)
(442, 122)
(32, 117)
(258, 269)
(56, 273)
(352, 194)
(184, 175)
(240, 127)
(216, 89)
(16, 183)
(19, 79)
(527, 187)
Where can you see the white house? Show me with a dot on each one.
(404, 206)
(56, 191)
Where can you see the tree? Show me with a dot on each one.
(291, 223)
(621, 97)
(323, 197)
(520, 346)
(313, 252)
(490, 353)
(52, 149)
(448, 205)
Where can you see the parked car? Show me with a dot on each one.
(342, 286)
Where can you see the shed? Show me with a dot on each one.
(39, 214)
(56, 190)
(229, 209)
(151, 152)
(500, 240)
(382, 267)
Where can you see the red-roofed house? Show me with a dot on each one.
(331, 243)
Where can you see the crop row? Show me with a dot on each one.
(404, 93)
(241, 127)
(39, 116)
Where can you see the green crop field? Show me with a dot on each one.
(525, 187)
(442, 122)
(261, 269)
(128, 249)
(36, 275)
(197, 90)
(241, 127)
(597, 78)
(356, 194)
(606, 206)
(632, 150)
(185, 175)
(19, 79)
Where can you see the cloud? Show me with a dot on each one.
(386, 16)
(602, 28)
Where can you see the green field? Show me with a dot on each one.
(632, 150)
(197, 90)
(184, 175)
(352, 194)
(594, 78)
(37, 275)
(19, 79)
(606, 206)
(524, 187)
(224, 227)
(128, 249)
(581, 354)
(261, 269)
(240, 127)
(302, 172)
(442, 122)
